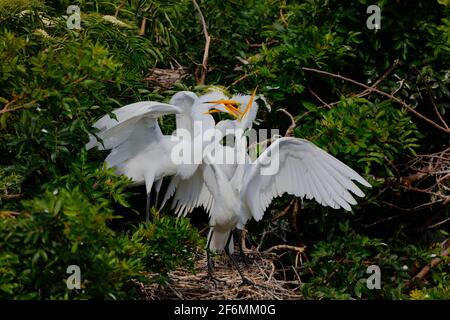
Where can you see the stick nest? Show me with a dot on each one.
(268, 284)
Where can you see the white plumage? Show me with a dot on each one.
(233, 194)
(139, 150)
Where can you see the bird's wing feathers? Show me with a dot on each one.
(114, 132)
(193, 192)
(190, 193)
(304, 171)
(139, 137)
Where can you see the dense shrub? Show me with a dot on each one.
(59, 206)
(70, 224)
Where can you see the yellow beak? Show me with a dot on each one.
(230, 106)
(249, 104)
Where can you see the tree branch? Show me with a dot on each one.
(293, 124)
(385, 94)
(433, 263)
(435, 108)
(285, 247)
(207, 43)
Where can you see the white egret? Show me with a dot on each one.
(139, 150)
(234, 195)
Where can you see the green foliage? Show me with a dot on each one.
(170, 242)
(337, 269)
(57, 207)
(60, 229)
(9, 185)
(54, 95)
(376, 134)
(15, 7)
(71, 226)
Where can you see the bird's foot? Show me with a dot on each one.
(214, 279)
(243, 258)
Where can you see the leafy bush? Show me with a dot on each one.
(170, 243)
(67, 209)
(72, 226)
(337, 269)
(375, 134)
(60, 229)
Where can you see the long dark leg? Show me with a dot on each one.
(149, 178)
(245, 281)
(238, 236)
(157, 188)
(156, 199)
(147, 209)
(209, 262)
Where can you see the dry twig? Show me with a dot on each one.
(262, 272)
(433, 263)
(293, 124)
(207, 43)
(385, 94)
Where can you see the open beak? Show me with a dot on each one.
(230, 106)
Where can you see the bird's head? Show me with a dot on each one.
(233, 106)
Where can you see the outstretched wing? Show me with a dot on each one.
(304, 170)
(189, 193)
(130, 118)
(194, 192)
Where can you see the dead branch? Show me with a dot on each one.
(385, 94)
(8, 108)
(207, 43)
(433, 103)
(9, 214)
(10, 196)
(386, 73)
(245, 76)
(269, 282)
(284, 212)
(438, 223)
(320, 99)
(287, 134)
(293, 124)
(285, 247)
(119, 7)
(433, 264)
(143, 25)
(365, 92)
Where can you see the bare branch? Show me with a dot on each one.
(365, 92)
(385, 94)
(119, 7)
(435, 108)
(319, 98)
(293, 124)
(438, 224)
(285, 247)
(207, 43)
(433, 263)
(22, 106)
(245, 76)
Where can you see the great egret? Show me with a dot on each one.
(140, 151)
(234, 195)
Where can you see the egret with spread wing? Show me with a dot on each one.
(234, 195)
(140, 151)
